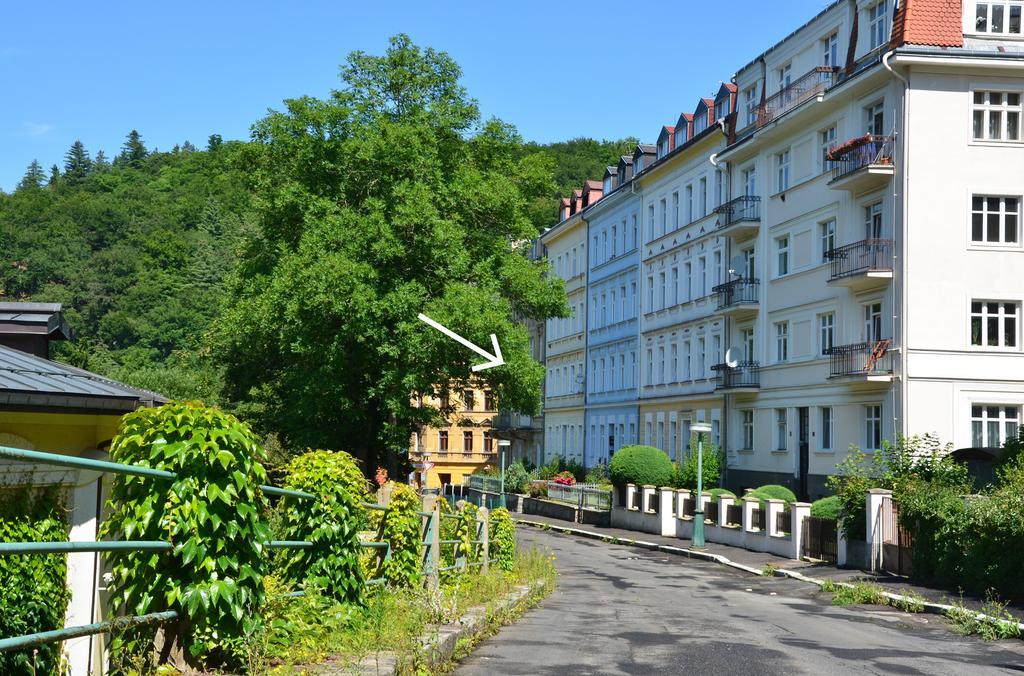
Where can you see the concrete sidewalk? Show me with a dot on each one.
(759, 560)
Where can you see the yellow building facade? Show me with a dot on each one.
(465, 444)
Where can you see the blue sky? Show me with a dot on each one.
(183, 70)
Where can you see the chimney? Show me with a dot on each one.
(29, 327)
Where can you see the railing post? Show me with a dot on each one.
(483, 534)
(432, 538)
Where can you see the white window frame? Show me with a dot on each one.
(750, 101)
(873, 431)
(747, 425)
(827, 237)
(827, 424)
(830, 49)
(973, 20)
(983, 110)
(783, 169)
(826, 332)
(782, 342)
(878, 26)
(982, 422)
(980, 312)
(781, 430)
(1002, 215)
(782, 256)
(874, 118)
(827, 138)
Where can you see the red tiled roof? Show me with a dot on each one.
(928, 22)
(591, 184)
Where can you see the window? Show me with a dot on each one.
(874, 119)
(650, 367)
(830, 50)
(689, 203)
(872, 427)
(994, 220)
(489, 401)
(663, 289)
(634, 232)
(675, 286)
(781, 341)
(700, 122)
(750, 182)
(615, 241)
(650, 222)
(664, 218)
(782, 256)
(442, 441)
(689, 280)
(747, 339)
(722, 109)
(750, 103)
(661, 365)
(780, 429)
(702, 276)
(994, 323)
(489, 442)
(749, 264)
(721, 189)
(826, 332)
(687, 362)
(748, 429)
(826, 139)
(998, 17)
(873, 221)
(878, 24)
(674, 351)
(701, 358)
(785, 76)
(996, 116)
(782, 165)
(826, 429)
(703, 197)
(872, 322)
(675, 209)
(650, 293)
(992, 425)
(622, 370)
(827, 234)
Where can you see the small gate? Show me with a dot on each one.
(897, 542)
(820, 539)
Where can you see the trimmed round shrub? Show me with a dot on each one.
(719, 492)
(502, 539)
(640, 465)
(826, 508)
(775, 492)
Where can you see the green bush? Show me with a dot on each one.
(826, 508)
(212, 514)
(558, 464)
(402, 528)
(516, 477)
(640, 465)
(33, 587)
(711, 466)
(598, 474)
(331, 522)
(772, 492)
(502, 539)
(716, 493)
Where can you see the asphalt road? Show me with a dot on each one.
(621, 610)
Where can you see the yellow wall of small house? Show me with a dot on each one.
(66, 433)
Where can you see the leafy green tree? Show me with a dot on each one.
(34, 177)
(711, 466)
(387, 199)
(77, 163)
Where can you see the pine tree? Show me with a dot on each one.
(77, 164)
(214, 142)
(33, 178)
(100, 163)
(133, 151)
(54, 175)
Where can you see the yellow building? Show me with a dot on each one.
(465, 444)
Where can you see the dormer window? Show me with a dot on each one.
(878, 23)
(680, 135)
(663, 148)
(750, 103)
(638, 164)
(722, 109)
(998, 18)
(700, 123)
(607, 185)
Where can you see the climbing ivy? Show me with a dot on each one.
(331, 522)
(33, 589)
(403, 527)
(502, 539)
(212, 514)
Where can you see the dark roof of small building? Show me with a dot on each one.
(35, 318)
(32, 382)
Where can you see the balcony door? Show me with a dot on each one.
(873, 221)
(872, 323)
(749, 264)
(804, 446)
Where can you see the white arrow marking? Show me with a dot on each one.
(495, 359)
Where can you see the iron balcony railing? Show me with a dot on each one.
(859, 153)
(741, 291)
(742, 208)
(800, 90)
(860, 359)
(744, 374)
(869, 255)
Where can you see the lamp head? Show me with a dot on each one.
(700, 428)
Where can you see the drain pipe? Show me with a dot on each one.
(902, 280)
(724, 431)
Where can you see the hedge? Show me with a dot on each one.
(827, 508)
(640, 465)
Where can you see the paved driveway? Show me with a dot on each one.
(620, 610)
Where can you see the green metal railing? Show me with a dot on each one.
(431, 558)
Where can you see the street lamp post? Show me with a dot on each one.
(502, 445)
(698, 514)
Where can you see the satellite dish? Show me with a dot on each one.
(736, 265)
(733, 356)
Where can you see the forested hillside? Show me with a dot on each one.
(138, 250)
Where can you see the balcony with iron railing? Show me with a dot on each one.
(862, 264)
(738, 298)
(743, 377)
(512, 420)
(801, 90)
(739, 217)
(868, 362)
(862, 164)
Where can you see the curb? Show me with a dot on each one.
(928, 607)
(439, 641)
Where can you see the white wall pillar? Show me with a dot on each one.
(799, 511)
(874, 499)
(648, 503)
(842, 553)
(775, 508)
(666, 513)
(630, 496)
(84, 654)
(724, 503)
(682, 495)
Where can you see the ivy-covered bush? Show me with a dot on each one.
(826, 508)
(402, 527)
(212, 514)
(331, 522)
(33, 587)
(516, 477)
(711, 461)
(640, 465)
(502, 539)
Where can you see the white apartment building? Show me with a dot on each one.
(857, 212)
